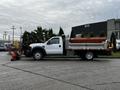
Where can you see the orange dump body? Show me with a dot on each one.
(88, 40)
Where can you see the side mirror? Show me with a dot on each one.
(48, 43)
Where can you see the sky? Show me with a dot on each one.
(29, 14)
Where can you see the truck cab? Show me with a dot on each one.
(53, 46)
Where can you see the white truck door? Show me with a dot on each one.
(54, 46)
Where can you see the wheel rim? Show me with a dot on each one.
(38, 56)
(89, 55)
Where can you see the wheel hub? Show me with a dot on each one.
(37, 55)
(89, 55)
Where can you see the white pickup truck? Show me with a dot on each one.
(86, 48)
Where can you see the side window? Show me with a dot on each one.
(54, 41)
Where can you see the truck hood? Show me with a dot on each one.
(36, 44)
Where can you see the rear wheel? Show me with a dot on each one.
(37, 55)
(89, 55)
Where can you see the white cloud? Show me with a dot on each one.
(53, 14)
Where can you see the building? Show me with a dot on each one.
(102, 29)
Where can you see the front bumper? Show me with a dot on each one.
(27, 52)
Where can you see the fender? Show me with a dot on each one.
(39, 48)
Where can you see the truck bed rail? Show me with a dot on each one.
(87, 46)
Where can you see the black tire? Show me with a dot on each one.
(37, 55)
(89, 55)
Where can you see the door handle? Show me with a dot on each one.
(59, 45)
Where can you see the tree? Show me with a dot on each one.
(61, 32)
(50, 33)
(26, 38)
(37, 36)
(34, 37)
(39, 33)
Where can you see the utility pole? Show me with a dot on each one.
(20, 34)
(20, 40)
(13, 28)
(5, 34)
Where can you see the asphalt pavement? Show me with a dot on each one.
(59, 74)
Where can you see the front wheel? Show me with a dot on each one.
(37, 55)
(89, 55)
